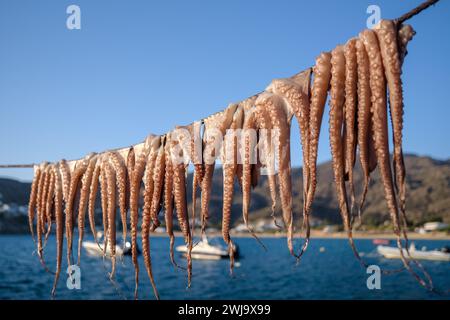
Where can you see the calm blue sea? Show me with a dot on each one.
(330, 273)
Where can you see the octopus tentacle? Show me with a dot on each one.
(158, 181)
(179, 188)
(146, 212)
(136, 178)
(350, 114)
(86, 181)
(322, 76)
(263, 123)
(168, 200)
(111, 198)
(296, 93)
(75, 178)
(93, 196)
(196, 157)
(229, 160)
(337, 100)
(380, 136)
(104, 203)
(42, 197)
(33, 200)
(249, 157)
(364, 119)
(121, 185)
(220, 121)
(281, 129)
(59, 218)
(49, 204)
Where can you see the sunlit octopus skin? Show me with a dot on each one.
(322, 75)
(168, 199)
(249, 158)
(136, 176)
(387, 38)
(220, 121)
(111, 191)
(93, 189)
(75, 178)
(158, 180)
(121, 184)
(229, 159)
(336, 119)
(365, 141)
(49, 204)
(275, 109)
(33, 200)
(104, 202)
(179, 191)
(65, 178)
(350, 129)
(295, 92)
(149, 184)
(263, 121)
(42, 197)
(197, 160)
(380, 136)
(86, 182)
(405, 34)
(59, 220)
(39, 197)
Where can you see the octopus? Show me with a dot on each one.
(111, 213)
(295, 92)
(120, 171)
(59, 219)
(79, 170)
(149, 184)
(86, 181)
(367, 155)
(215, 127)
(380, 136)
(322, 76)
(93, 189)
(136, 178)
(168, 199)
(197, 159)
(275, 109)
(336, 118)
(230, 160)
(350, 130)
(249, 160)
(179, 143)
(266, 152)
(33, 201)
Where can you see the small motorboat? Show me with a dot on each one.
(383, 242)
(96, 250)
(394, 253)
(203, 250)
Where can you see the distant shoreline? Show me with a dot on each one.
(314, 235)
(331, 235)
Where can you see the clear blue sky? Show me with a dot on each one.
(140, 67)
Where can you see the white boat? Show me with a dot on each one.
(394, 253)
(203, 250)
(93, 249)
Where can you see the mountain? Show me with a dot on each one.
(428, 196)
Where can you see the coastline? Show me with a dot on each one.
(331, 235)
